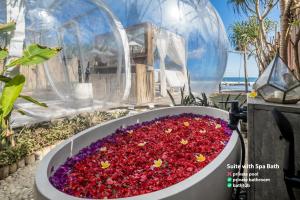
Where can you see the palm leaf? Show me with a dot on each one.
(4, 79)
(189, 82)
(32, 100)
(3, 53)
(10, 93)
(239, 6)
(171, 97)
(227, 100)
(34, 55)
(243, 102)
(205, 100)
(215, 105)
(238, 96)
(182, 95)
(22, 112)
(192, 97)
(4, 28)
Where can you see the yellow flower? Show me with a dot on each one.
(130, 132)
(105, 165)
(200, 158)
(142, 144)
(253, 94)
(157, 163)
(186, 124)
(168, 131)
(184, 142)
(202, 131)
(218, 126)
(103, 149)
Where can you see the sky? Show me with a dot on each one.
(235, 62)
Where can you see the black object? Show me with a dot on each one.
(291, 180)
(235, 115)
(79, 71)
(87, 73)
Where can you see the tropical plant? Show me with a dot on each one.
(190, 99)
(285, 6)
(31, 139)
(290, 22)
(265, 47)
(222, 101)
(13, 86)
(242, 37)
(295, 24)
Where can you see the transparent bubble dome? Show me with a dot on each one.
(93, 65)
(191, 35)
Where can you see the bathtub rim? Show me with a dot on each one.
(44, 188)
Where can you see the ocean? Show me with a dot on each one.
(239, 79)
(236, 83)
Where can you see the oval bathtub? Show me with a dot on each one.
(208, 184)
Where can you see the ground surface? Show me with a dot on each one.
(19, 185)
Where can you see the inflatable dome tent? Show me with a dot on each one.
(187, 37)
(92, 70)
(130, 51)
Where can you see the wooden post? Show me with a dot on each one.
(149, 45)
(150, 62)
(144, 84)
(151, 84)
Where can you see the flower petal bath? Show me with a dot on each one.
(144, 157)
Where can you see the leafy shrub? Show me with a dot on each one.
(36, 137)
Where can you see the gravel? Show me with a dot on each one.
(19, 186)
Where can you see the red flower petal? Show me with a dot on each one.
(131, 170)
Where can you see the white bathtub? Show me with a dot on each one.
(208, 184)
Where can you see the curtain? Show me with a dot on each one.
(162, 41)
(177, 53)
(15, 12)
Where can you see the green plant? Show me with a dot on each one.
(191, 100)
(257, 25)
(21, 151)
(31, 139)
(4, 158)
(204, 100)
(226, 98)
(11, 155)
(13, 86)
